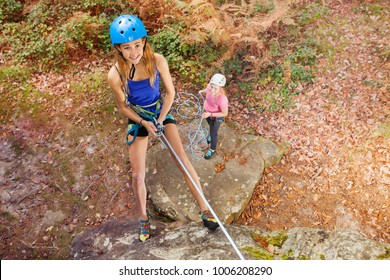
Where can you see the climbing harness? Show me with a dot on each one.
(186, 106)
(165, 141)
(146, 115)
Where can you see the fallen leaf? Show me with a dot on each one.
(49, 229)
(219, 167)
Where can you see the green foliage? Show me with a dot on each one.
(275, 49)
(10, 10)
(264, 8)
(284, 79)
(22, 97)
(293, 56)
(53, 34)
(292, 68)
(290, 56)
(245, 87)
(304, 55)
(371, 9)
(275, 74)
(14, 74)
(87, 32)
(168, 43)
(44, 38)
(186, 60)
(310, 13)
(300, 74)
(236, 65)
(110, 8)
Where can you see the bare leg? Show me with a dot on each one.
(137, 156)
(173, 137)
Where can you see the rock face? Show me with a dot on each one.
(331, 245)
(119, 240)
(228, 179)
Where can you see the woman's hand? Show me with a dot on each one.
(150, 127)
(160, 120)
(205, 115)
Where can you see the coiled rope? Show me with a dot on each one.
(190, 106)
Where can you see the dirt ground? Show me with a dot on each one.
(336, 173)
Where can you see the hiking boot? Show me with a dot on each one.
(209, 154)
(208, 220)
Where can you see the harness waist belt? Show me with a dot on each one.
(149, 105)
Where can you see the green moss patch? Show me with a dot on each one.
(258, 254)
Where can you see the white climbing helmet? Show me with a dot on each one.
(218, 79)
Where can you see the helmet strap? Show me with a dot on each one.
(132, 72)
(132, 69)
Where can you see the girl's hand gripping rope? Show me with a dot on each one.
(159, 127)
(150, 127)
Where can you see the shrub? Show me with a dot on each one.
(310, 13)
(54, 33)
(185, 60)
(10, 10)
(236, 65)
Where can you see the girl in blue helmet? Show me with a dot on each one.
(134, 79)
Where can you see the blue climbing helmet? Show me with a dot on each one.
(126, 28)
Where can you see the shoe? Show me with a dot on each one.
(209, 154)
(208, 139)
(208, 220)
(144, 228)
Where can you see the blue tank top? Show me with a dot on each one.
(142, 94)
